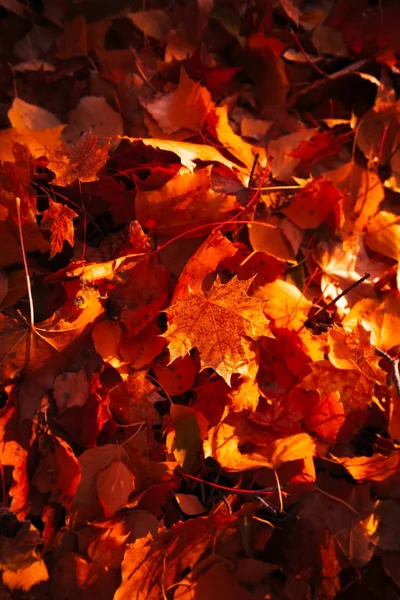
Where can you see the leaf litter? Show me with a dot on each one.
(199, 306)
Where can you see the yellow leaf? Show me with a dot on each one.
(383, 234)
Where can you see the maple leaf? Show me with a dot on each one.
(216, 323)
(58, 218)
(82, 161)
(352, 368)
(41, 352)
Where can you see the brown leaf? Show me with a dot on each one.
(58, 473)
(85, 505)
(71, 389)
(79, 578)
(82, 161)
(114, 485)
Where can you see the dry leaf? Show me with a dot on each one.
(216, 323)
(114, 485)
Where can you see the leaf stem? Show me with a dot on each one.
(28, 280)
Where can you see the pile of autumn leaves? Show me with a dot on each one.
(182, 345)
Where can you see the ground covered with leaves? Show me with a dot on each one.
(199, 296)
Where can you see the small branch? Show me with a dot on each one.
(394, 364)
(311, 322)
(255, 493)
(346, 291)
(253, 168)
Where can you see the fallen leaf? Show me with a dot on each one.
(177, 549)
(93, 115)
(71, 389)
(313, 204)
(189, 199)
(27, 116)
(114, 485)
(58, 218)
(58, 473)
(167, 110)
(200, 321)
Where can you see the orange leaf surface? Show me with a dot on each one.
(58, 218)
(167, 110)
(216, 323)
(183, 201)
(313, 204)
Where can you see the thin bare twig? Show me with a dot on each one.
(253, 168)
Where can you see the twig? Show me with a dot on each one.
(336, 499)
(310, 322)
(253, 168)
(394, 363)
(346, 291)
(255, 493)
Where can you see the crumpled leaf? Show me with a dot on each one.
(363, 194)
(223, 445)
(189, 153)
(215, 323)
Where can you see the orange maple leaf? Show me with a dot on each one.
(216, 323)
(58, 218)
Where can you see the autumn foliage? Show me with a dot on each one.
(199, 300)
